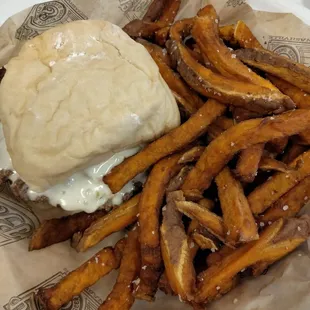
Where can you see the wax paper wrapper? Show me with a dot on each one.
(285, 286)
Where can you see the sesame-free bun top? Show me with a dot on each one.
(75, 95)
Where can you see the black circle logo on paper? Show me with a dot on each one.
(235, 3)
(134, 9)
(287, 51)
(16, 222)
(87, 300)
(46, 15)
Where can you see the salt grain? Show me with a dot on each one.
(192, 245)
(144, 267)
(228, 232)
(285, 207)
(136, 282)
(298, 228)
(218, 288)
(306, 198)
(235, 301)
(299, 255)
(153, 232)
(269, 222)
(164, 208)
(96, 260)
(216, 21)
(232, 143)
(233, 55)
(213, 250)
(261, 224)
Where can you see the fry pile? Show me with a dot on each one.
(225, 187)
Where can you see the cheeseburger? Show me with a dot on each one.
(75, 102)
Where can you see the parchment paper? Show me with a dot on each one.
(287, 284)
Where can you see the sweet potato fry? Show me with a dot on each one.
(221, 124)
(154, 11)
(140, 29)
(206, 33)
(216, 257)
(213, 223)
(279, 184)
(156, 51)
(121, 296)
(301, 98)
(176, 250)
(175, 140)
(205, 242)
(61, 229)
(170, 11)
(207, 83)
(289, 204)
(192, 155)
(282, 67)
(75, 282)
(162, 35)
(174, 82)
(186, 109)
(163, 12)
(227, 33)
(214, 131)
(116, 220)
(303, 138)
(271, 164)
(248, 163)
(149, 209)
(164, 285)
(240, 114)
(277, 146)
(176, 182)
(294, 151)
(244, 36)
(276, 241)
(241, 136)
(192, 195)
(238, 219)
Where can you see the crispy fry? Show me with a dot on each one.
(238, 219)
(76, 281)
(139, 28)
(60, 229)
(186, 109)
(243, 135)
(224, 122)
(206, 203)
(121, 296)
(279, 184)
(174, 82)
(240, 114)
(154, 11)
(164, 285)
(170, 11)
(271, 164)
(248, 163)
(289, 204)
(276, 241)
(213, 223)
(214, 131)
(301, 98)
(282, 67)
(156, 52)
(177, 181)
(303, 138)
(192, 195)
(205, 242)
(176, 251)
(149, 209)
(216, 257)
(175, 140)
(294, 151)
(244, 36)
(192, 155)
(162, 35)
(277, 146)
(116, 220)
(206, 33)
(162, 11)
(227, 33)
(207, 83)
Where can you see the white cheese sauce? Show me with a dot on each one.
(83, 191)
